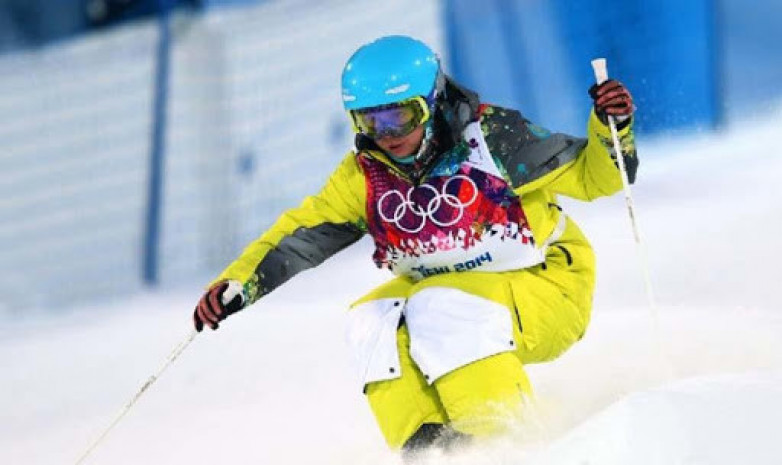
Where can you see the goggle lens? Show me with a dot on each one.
(395, 120)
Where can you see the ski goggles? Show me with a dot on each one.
(392, 120)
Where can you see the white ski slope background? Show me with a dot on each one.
(275, 386)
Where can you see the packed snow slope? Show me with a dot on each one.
(274, 385)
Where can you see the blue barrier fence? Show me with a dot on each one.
(253, 96)
(253, 123)
(666, 50)
(691, 65)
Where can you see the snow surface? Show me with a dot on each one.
(274, 385)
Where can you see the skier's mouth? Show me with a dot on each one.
(396, 147)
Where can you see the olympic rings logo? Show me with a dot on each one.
(407, 210)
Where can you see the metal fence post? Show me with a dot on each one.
(157, 155)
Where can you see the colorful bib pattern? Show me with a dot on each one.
(463, 217)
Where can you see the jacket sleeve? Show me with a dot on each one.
(305, 236)
(593, 172)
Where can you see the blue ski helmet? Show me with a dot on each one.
(389, 70)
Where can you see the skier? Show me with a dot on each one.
(460, 198)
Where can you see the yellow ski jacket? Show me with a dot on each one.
(538, 166)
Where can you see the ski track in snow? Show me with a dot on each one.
(275, 385)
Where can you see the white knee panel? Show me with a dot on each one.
(449, 328)
(371, 336)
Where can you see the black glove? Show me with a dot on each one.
(612, 99)
(220, 301)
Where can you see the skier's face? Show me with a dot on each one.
(400, 147)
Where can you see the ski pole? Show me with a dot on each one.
(171, 357)
(601, 75)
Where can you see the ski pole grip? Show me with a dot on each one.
(601, 71)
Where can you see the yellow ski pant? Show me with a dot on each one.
(550, 306)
